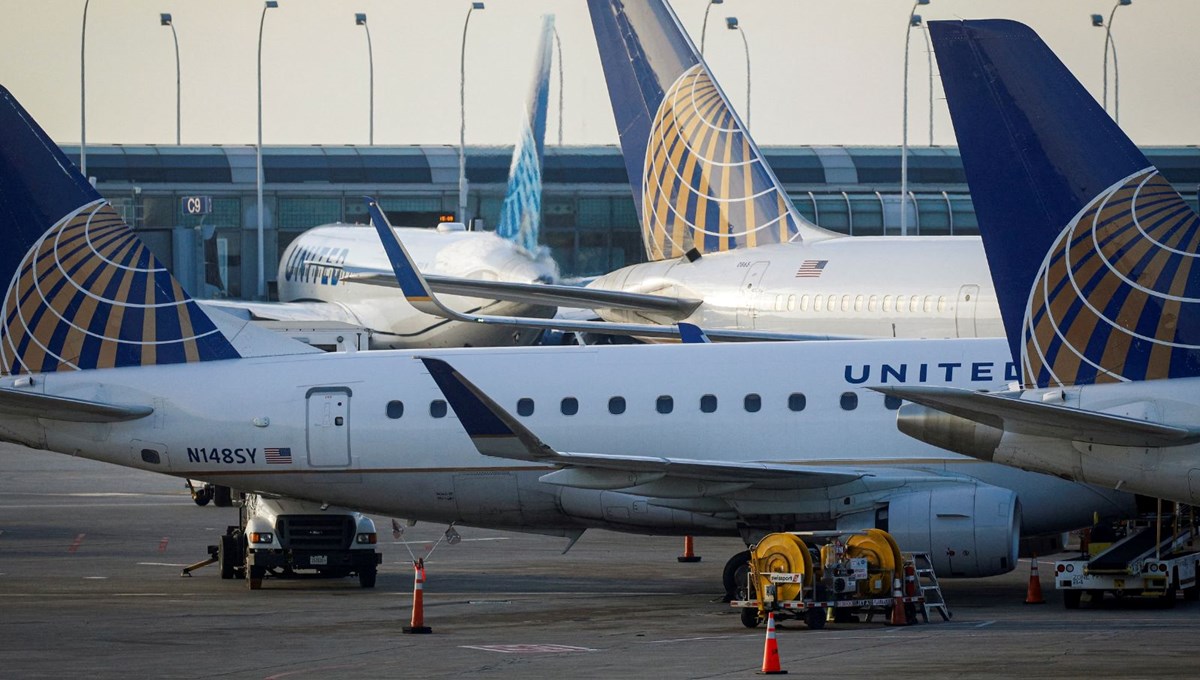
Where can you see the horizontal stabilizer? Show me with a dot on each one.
(1010, 413)
(496, 432)
(21, 403)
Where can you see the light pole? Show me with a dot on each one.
(913, 20)
(83, 92)
(929, 58)
(704, 26)
(558, 49)
(165, 19)
(732, 24)
(462, 117)
(258, 177)
(1097, 20)
(360, 19)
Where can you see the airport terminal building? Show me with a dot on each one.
(588, 216)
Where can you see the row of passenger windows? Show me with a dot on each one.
(569, 406)
(871, 303)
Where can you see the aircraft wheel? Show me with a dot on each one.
(734, 576)
(202, 496)
(222, 496)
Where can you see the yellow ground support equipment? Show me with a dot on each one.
(836, 575)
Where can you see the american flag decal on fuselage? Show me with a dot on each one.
(278, 456)
(811, 269)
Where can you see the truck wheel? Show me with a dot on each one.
(1191, 594)
(1168, 598)
(366, 577)
(749, 616)
(815, 618)
(226, 557)
(1071, 598)
(254, 576)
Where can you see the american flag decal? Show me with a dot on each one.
(811, 269)
(278, 456)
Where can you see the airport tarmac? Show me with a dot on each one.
(90, 557)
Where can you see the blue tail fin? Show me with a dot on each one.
(698, 179)
(1114, 298)
(521, 215)
(84, 291)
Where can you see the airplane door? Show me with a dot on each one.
(329, 427)
(964, 311)
(751, 287)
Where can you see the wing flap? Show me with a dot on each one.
(1041, 419)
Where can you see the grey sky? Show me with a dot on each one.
(824, 71)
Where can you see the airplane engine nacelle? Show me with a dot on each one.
(968, 530)
(632, 512)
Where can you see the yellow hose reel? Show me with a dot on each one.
(782, 554)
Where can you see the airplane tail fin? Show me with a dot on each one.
(83, 290)
(699, 180)
(521, 215)
(1115, 297)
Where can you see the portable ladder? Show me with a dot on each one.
(929, 587)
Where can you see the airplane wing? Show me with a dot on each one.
(283, 311)
(20, 402)
(419, 294)
(541, 294)
(1010, 413)
(495, 432)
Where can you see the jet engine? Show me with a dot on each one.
(969, 530)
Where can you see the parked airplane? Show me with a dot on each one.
(719, 227)
(325, 274)
(1106, 326)
(105, 356)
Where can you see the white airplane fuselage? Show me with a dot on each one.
(362, 429)
(910, 287)
(319, 266)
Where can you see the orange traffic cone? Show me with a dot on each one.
(417, 624)
(898, 617)
(771, 650)
(1033, 595)
(688, 555)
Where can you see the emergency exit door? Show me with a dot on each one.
(329, 427)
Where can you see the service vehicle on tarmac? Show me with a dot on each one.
(1147, 559)
(287, 538)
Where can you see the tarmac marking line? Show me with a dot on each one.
(529, 649)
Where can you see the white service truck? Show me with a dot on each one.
(1133, 560)
(288, 538)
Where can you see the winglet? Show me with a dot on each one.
(692, 334)
(494, 431)
(412, 283)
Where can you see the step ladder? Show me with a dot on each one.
(929, 587)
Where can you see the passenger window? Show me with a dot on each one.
(817, 303)
(804, 302)
(941, 303)
(797, 401)
(525, 406)
(437, 408)
(845, 303)
(664, 404)
(708, 403)
(753, 403)
(395, 409)
(832, 303)
(791, 303)
(928, 307)
(858, 303)
(891, 403)
(569, 406)
(849, 401)
(914, 303)
(616, 405)
(887, 303)
(872, 302)
(899, 303)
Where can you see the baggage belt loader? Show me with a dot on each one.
(853, 571)
(1133, 559)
